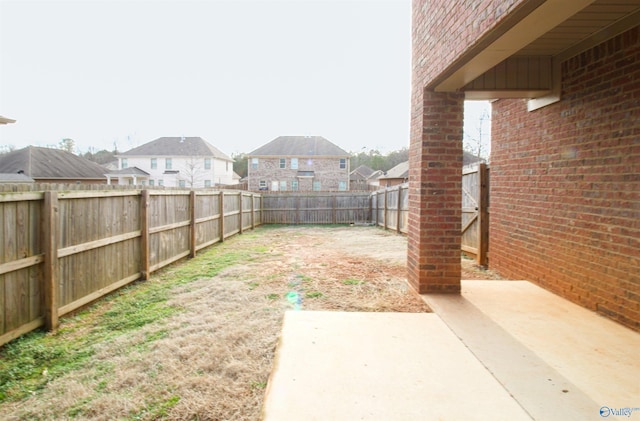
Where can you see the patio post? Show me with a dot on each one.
(435, 185)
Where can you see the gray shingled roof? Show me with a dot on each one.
(399, 171)
(43, 163)
(177, 146)
(129, 171)
(363, 171)
(402, 169)
(15, 178)
(299, 146)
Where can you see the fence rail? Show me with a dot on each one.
(61, 249)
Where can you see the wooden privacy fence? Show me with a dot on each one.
(316, 208)
(60, 250)
(390, 209)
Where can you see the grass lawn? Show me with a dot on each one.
(196, 341)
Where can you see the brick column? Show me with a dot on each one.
(435, 193)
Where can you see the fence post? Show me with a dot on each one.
(386, 208)
(334, 210)
(51, 260)
(241, 216)
(253, 211)
(144, 235)
(483, 215)
(221, 216)
(399, 203)
(192, 223)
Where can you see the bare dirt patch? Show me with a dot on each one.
(211, 358)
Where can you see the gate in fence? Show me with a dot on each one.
(390, 209)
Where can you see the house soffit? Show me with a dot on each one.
(521, 58)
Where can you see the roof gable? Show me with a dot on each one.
(363, 171)
(177, 146)
(399, 171)
(299, 146)
(37, 162)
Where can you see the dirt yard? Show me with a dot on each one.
(211, 360)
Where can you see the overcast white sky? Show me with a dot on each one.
(238, 73)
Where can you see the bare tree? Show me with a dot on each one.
(193, 171)
(477, 140)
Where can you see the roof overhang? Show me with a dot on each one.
(521, 57)
(5, 120)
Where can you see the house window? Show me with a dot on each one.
(316, 186)
(294, 185)
(274, 185)
(294, 163)
(182, 183)
(263, 185)
(161, 182)
(254, 163)
(343, 163)
(207, 163)
(168, 163)
(227, 167)
(342, 186)
(125, 163)
(283, 163)
(283, 185)
(152, 182)
(207, 183)
(154, 163)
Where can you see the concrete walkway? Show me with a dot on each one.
(501, 350)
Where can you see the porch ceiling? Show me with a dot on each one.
(521, 57)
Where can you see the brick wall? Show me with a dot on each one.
(435, 195)
(325, 170)
(565, 184)
(442, 31)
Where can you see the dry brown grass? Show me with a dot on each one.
(211, 360)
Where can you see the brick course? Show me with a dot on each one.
(565, 184)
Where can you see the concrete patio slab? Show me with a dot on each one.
(379, 366)
(559, 361)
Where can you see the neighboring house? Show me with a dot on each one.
(46, 165)
(359, 178)
(565, 157)
(400, 173)
(132, 176)
(396, 175)
(374, 179)
(301, 163)
(188, 162)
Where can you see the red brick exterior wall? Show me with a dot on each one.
(443, 30)
(326, 170)
(565, 184)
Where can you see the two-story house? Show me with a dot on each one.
(298, 163)
(189, 162)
